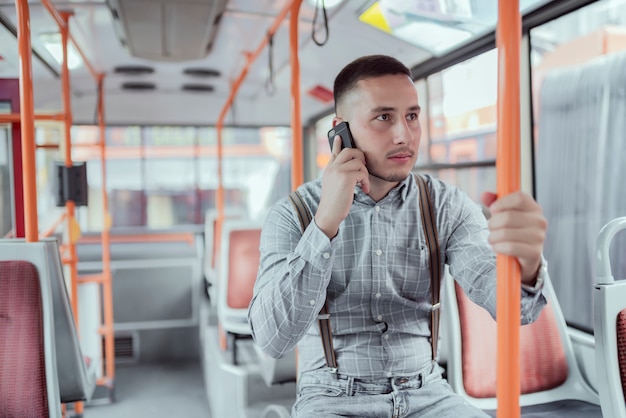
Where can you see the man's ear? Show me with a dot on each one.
(337, 120)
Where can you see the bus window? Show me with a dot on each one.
(577, 73)
(460, 131)
(163, 176)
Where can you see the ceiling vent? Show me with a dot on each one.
(138, 86)
(201, 72)
(133, 69)
(203, 88)
(167, 30)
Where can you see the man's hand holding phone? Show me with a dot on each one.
(345, 170)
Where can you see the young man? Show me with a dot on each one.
(365, 248)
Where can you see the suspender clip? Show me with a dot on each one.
(332, 370)
(436, 306)
(323, 316)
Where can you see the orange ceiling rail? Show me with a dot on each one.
(291, 6)
(63, 24)
(508, 40)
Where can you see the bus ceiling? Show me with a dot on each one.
(171, 40)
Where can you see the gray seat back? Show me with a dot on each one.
(36, 254)
(74, 383)
(72, 379)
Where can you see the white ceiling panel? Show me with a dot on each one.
(244, 25)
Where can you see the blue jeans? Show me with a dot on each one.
(322, 394)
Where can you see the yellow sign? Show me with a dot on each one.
(74, 231)
(374, 16)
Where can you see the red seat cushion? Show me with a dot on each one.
(243, 265)
(543, 364)
(621, 347)
(22, 365)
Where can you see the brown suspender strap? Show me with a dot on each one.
(430, 232)
(323, 319)
(304, 215)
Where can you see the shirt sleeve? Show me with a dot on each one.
(473, 263)
(290, 289)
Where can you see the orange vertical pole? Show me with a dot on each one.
(31, 227)
(67, 158)
(297, 170)
(107, 291)
(70, 207)
(219, 196)
(508, 180)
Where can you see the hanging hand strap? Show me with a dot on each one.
(430, 232)
(323, 319)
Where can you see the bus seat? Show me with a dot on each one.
(239, 264)
(28, 386)
(210, 247)
(609, 299)
(277, 372)
(74, 383)
(551, 381)
(275, 411)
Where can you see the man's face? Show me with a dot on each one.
(383, 116)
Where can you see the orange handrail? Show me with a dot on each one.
(508, 180)
(27, 118)
(70, 206)
(107, 290)
(297, 166)
(16, 117)
(64, 25)
(31, 227)
(250, 58)
(127, 238)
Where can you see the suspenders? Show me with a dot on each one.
(430, 232)
(432, 241)
(323, 319)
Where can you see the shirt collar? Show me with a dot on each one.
(402, 189)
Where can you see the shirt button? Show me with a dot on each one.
(379, 252)
(379, 317)
(377, 208)
(312, 302)
(386, 336)
(378, 295)
(326, 255)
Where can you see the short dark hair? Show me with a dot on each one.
(369, 66)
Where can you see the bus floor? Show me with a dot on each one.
(156, 390)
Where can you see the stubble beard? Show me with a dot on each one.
(391, 178)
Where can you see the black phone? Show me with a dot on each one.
(343, 130)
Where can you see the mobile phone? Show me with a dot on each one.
(343, 130)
